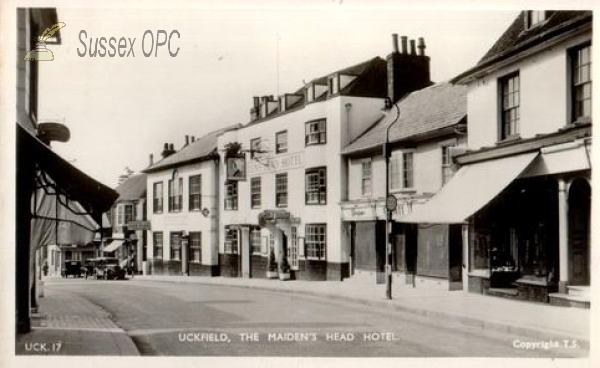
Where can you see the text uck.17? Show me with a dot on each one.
(102, 47)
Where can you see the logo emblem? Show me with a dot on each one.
(40, 52)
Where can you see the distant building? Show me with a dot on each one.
(285, 199)
(523, 192)
(128, 240)
(182, 208)
(429, 127)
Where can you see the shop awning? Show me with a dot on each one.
(114, 245)
(560, 159)
(94, 197)
(471, 188)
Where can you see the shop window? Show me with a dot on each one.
(315, 132)
(281, 190)
(510, 101)
(255, 240)
(157, 240)
(195, 245)
(366, 178)
(581, 82)
(195, 195)
(231, 241)
(316, 186)
(175, 245)
(255, 195)
(281, 142)
(231, 195)
(157, 197)
(316, 241)
(481, 249)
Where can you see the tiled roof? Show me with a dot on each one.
(516, 35)
(198, 150)
(370, 81)
(516, 38)
(424, 111)
(132, 189)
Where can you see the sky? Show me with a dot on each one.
(121, 109)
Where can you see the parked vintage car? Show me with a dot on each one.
(72, 268)
(106, 268)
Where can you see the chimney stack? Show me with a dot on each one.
(165, 151)
(406, 71)
(421, 46)
(395, 42)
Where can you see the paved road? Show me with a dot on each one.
(180, 319)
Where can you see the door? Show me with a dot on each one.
(579, 233)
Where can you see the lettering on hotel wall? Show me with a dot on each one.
(291, 161)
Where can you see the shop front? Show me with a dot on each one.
(525, 221)
(366, 223)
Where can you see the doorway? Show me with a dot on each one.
(579, 232)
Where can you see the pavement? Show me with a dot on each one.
(70, 325)
(67, 324)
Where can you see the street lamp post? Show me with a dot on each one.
(390, 201)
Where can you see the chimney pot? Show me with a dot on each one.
(404, 44)
(187, 140)
(421, 46)
(171, 147)
(256, 101)
(413, 50)
(193, 139)
(151, 159)
(395, 41)
(166, 147)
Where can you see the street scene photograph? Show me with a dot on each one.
(306, 181)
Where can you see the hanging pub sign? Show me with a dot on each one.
(236, 168)
(235, 162)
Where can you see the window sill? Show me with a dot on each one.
(315, 204)
(314, 144)
(582, 120)
(157, 213)
(509, 139)
(480, 273)
(403, 191)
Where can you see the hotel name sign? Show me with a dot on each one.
(270, 164)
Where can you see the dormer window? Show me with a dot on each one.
(535, 18)
(333, 84)
(310, 93)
